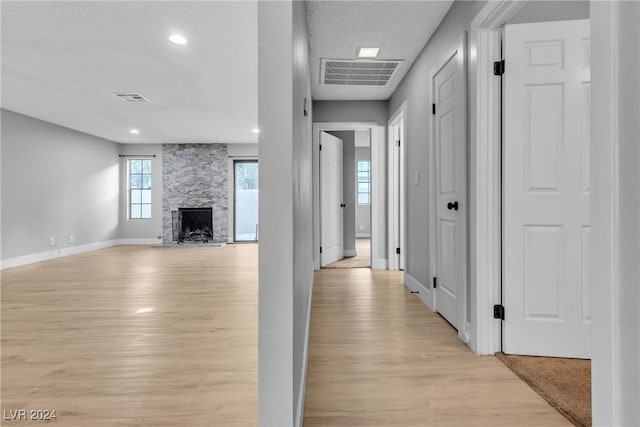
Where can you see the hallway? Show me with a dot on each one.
(378, 356)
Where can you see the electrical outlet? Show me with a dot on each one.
(52, 241)
(72, 239)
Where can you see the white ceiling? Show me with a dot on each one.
(61, 62)
(400, 28)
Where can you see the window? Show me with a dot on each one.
(364, 182)
(139, 188)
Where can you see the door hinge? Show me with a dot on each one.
(320, 147)
(398, 251)
(498, 68)
(398, 143)
(435, 283)
(320, 249)
(433, 109)
(498, 311)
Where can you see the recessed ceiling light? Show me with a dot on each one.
(178, 38)
(134, 131)
(367, 52)
(255, 130)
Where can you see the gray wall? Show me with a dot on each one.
(541, 11)
(196, 176)
(351, 111)
(56, 182)
(142, 228)
(348, 188)
(414, 89)
(363, 212)
(286, 234)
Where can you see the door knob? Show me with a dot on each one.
(452, 206)
(342, 205)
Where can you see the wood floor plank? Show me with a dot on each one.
(379, 357)
(73, 338)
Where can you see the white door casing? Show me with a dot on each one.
(546, 188)
(449, 165)
(331, 201)
(397, 189)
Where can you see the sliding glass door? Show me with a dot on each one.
(246, 200)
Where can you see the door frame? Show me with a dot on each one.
(484, 190)
(397, 190)
(231, 194)
(377, 135)
(464, 323)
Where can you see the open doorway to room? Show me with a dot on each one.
(358, 207)
(245, 197)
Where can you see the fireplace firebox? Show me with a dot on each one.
(192, 225)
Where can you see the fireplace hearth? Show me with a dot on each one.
(192, 225)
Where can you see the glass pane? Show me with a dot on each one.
(135, 196)
(146, 196)
(146, 166)
(246, 175)
(136, 181)
(363, 166)
(136, 211)
(363, 198)
(146, 211)
(135, 166)
(363, 187)
(146, 181)
(363, 176)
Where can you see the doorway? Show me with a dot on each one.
(245, 200)
(371, 181)
(448, 185)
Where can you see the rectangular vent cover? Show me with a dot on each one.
(357, 72)
(131, 97)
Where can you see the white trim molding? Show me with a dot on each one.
(485, 231)
(71, 250)
(396, 186)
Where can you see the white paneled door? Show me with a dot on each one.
(546, 189)
(450, 182)
(331, 203)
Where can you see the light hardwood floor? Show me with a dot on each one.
(74, 341)
(379, 357)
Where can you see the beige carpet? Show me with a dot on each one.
(361, 260)
(564, 383)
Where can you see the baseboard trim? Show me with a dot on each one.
(379, 264)
(350, 252)
(425, 294)
(305, 359)
(71, 250)
(363, 235)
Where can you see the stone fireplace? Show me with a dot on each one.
(195, 179)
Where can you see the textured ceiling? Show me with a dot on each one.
(400, 28)
(62, 61)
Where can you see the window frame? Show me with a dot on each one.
(363, 180)
(130, 188)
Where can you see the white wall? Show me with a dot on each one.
(142, 230)
(56, 182)
(615, 212)
(286, 233)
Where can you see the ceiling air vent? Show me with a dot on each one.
(131, 97)
(357, 72)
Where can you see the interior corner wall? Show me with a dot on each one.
(415, 90)
(147, 230)
(56, 182)
(348, 189)
(286, 215)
